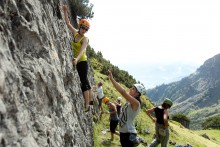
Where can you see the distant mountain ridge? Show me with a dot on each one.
(199, 93)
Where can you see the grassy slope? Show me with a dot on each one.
(213, 135)
(178, 134)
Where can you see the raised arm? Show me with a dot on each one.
(70, 27)
(134, 102)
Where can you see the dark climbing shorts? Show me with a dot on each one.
(82, 68)
(113, 125)
(125, 141)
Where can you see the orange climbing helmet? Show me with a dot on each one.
(105, 100)
(84, 22)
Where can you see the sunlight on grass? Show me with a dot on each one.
(213, 135)
(185, 136)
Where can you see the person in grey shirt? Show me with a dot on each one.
(128, 132)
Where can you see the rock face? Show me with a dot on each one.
(41, 103)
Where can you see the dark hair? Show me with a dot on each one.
(166, 106)
(100, 84)
(139, 98)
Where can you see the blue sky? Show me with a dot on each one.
(156, 41)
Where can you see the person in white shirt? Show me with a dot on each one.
(100, 95)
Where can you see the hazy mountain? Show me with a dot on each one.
(197, 96)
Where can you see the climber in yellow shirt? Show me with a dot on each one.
(79, 45)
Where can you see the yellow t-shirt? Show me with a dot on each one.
(76, 48)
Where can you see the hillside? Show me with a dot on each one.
(197, 95)
(179, 134)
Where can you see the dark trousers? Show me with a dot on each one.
(113, 125)
(124, 139)
(82, 68)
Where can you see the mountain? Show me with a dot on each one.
(197, 96)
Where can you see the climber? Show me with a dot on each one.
(79, 44)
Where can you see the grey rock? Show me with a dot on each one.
(41, 103)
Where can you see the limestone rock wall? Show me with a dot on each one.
(41, 103)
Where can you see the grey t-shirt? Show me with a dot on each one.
(126, 119)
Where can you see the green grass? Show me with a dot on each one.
(102, 134)
(178, 133)
(183, 136)
(214, 135)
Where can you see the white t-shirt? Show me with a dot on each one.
(100, 92)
